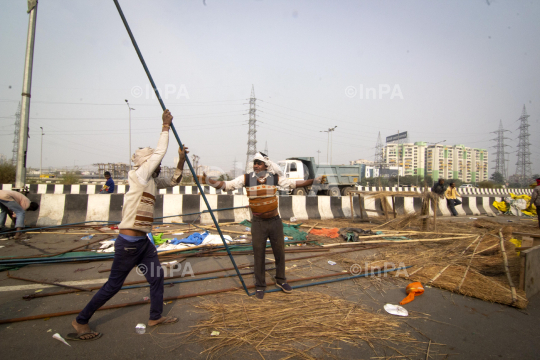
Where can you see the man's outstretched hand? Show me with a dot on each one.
(167, 118)
(182, 153)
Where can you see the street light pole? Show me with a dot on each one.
(41, 154)
(20, 175)
(328, 146)
(129, 157)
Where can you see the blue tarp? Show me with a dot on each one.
(195, 239)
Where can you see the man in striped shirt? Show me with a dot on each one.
(261, 188)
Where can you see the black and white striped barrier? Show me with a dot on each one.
(57, 209)
(193, 190)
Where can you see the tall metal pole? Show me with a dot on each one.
(163, 107)
(129, 157)
(20, 178)
(41, 154)
(398, 158)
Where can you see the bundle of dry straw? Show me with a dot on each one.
(471, 266)
(296, 324)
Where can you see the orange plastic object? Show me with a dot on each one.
(331, 233)
(413, 289)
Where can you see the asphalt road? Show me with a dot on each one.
(469, 328)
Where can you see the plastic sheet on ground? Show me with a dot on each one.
(331, 233)
(516, 205)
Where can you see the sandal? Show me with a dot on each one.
(77, 337)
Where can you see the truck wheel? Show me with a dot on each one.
(334, 191)
(346, 191)
(299, 191)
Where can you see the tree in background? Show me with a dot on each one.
(497, 178)
(7, 173)
(224, 177)
(458, 182)
(71, 177)
(486, 184)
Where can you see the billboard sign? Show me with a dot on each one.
(396, 137)
(386, 173)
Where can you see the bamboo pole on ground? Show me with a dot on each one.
(506, 269)
(468, 265)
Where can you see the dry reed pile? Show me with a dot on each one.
(296, 325)
(471, 266)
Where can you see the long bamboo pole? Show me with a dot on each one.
(73, 312)
(468, 265)
(506, 269)
(163, 107)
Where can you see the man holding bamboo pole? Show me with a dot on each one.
(133, 247)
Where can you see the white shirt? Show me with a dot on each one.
(239, 182)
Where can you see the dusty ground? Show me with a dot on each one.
(458, 327)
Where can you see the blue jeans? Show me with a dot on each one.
(127, 255)
(14, 206)
(452, 205)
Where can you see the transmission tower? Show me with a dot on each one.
(266, 148)
(234, 168)
(252, 137)
(379, 152)
(523, 165)
(15, 150)
(500, 165)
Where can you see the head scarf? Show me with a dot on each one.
(140, 156)
(538, 181)
(272, 167)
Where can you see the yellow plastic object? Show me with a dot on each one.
(501, 206)
(413, 289)
(517, 243)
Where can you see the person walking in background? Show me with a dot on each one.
(108, 188)
(15, 204)
(452, 195)
(535, 199)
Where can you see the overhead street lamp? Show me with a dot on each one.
(129, 158)
(41, 154)
(328, 146)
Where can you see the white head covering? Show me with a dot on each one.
(272, 167)
(140, 156)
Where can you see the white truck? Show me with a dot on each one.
(341, 179)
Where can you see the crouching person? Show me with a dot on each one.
(14, 204)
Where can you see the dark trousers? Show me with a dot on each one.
(452, 205)
(127, 255)
(262, 229)
(538, 214)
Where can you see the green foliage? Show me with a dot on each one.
(224, 177)
(497, 177)
(486, 184)
(7, 173)
(70, 178)
(458, 182)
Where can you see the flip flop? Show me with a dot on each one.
(77, 337)
(169, 320)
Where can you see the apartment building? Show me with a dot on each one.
(411, 157)
(467, 164)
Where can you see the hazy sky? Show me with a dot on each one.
(447, 70)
